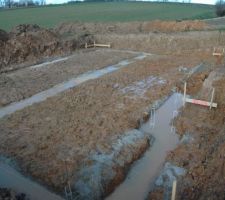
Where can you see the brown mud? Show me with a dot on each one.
(86, 119)
(67, 136)
(28, 44)
(21, 84)
(202, 151)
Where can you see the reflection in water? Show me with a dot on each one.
(144, 172)
(12, 179)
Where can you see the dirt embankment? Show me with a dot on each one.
(27, 44)
(187, 43)
(201, 152)
(131, 27)
(161, 37)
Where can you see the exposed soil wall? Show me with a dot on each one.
(103, 172)
(131, 27)
(27, 44)
(201, 151)
(174, 43)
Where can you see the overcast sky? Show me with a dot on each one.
(204, 1)
(193, 1)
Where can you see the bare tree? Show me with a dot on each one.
(42, 2)
(8, 3)
(220, 8)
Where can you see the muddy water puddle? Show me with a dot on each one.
(10, 178)
(144, 172)
(66, 85)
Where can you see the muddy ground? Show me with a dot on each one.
(20, 84)
(201, 152)
(8, 194)
(53, 141)
(102, 110)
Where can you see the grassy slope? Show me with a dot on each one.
(49, 16)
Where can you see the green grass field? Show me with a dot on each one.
(49, 16)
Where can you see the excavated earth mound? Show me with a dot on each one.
(132, 27)
(174, 26)
(28, 44)
(3, 36)
(31, 43)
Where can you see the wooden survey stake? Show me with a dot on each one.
(210, 104)
(174, 189)
(97, 45)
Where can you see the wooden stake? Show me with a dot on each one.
(211, 102)
(102, 45)
(218, 52)
(97, 45)
(173, 197)
(185, 89)
(200, 102)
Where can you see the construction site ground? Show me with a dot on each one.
(53, 140)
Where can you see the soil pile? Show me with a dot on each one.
(30, 43)
(3, 36)
(131, 27)
(167, 43)
(173, 26)
(24, 28)
(98, 28)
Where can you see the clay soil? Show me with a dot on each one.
(20, 84)
(84, 119)
(203, 154)
(132, 27)
(53, 140)
(27, 44)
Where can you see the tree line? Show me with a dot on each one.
(21, 3)
(24, 3)
(220, 8)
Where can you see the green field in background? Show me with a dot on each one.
(49, 16)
